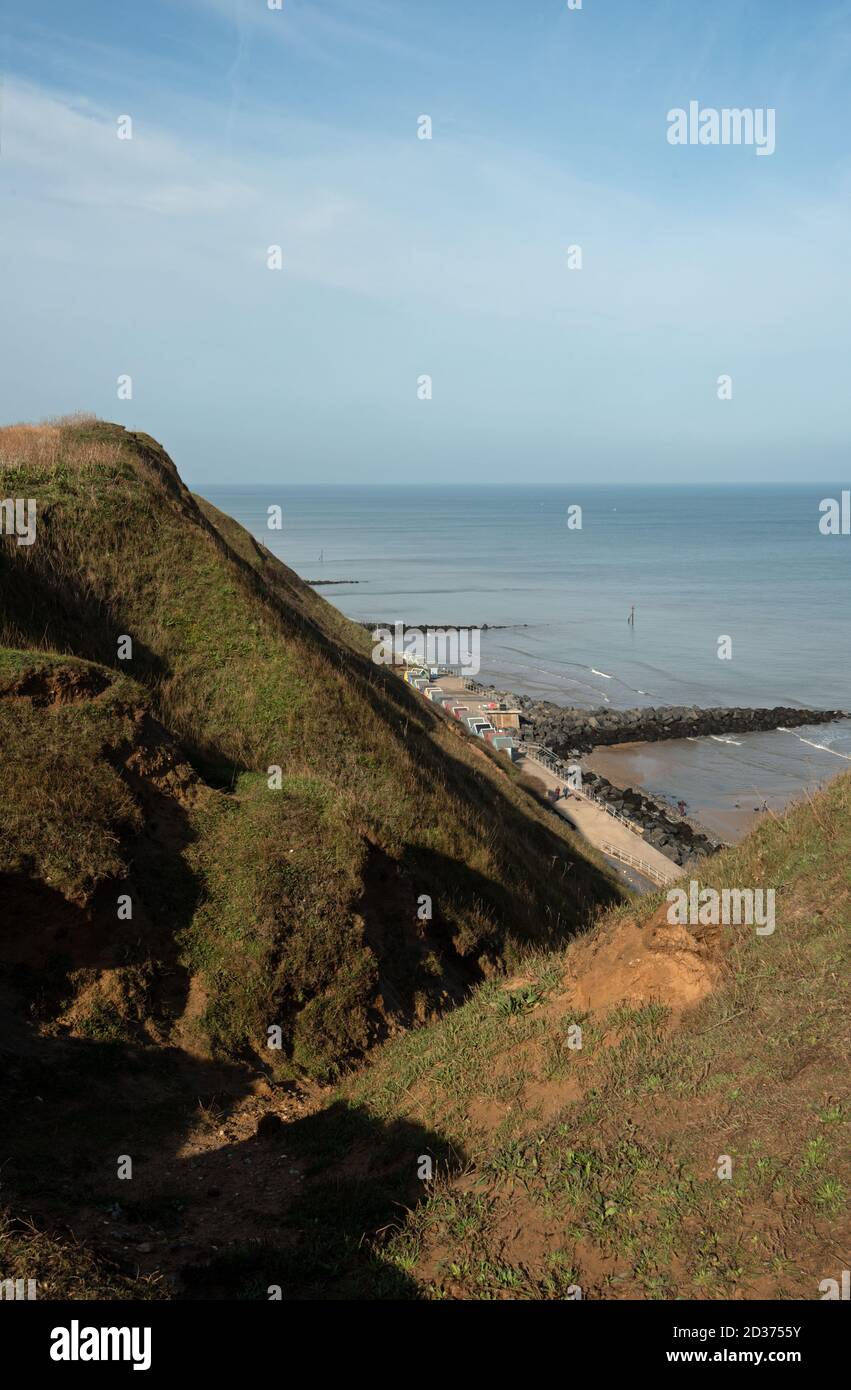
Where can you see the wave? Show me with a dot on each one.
(822, 747)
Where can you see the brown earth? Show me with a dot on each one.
(655, 962)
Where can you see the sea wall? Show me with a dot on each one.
(663, 827)
(570, 732)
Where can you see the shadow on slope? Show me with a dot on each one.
(306, 1205)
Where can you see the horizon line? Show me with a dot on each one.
(755, 482)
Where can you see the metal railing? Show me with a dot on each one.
(632, 825)
(539, 754)
(546, 759)
(634, 861)
(554, 764)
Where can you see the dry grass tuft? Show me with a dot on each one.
(62, 440)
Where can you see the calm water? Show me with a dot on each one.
(697, 563)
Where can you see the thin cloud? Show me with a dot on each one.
(327, 31)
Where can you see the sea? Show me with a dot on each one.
(744, 571)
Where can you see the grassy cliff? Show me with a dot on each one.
(478, 1154)
(602, 1166)
(149, 777)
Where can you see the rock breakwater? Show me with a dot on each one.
(571, 732)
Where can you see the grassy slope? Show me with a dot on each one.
(65, 808)
(599, 1166)
(557, 1167)
(554, 1167)
(64, 1269)
(297, 906)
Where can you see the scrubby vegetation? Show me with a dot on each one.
(478, 1152)
(304, 911)
(599, 1166)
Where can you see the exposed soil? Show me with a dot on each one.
(658, 962)
(56, 686)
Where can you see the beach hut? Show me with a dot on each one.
(502, 741)
(435, 694)
(506, 718)
(460, 710)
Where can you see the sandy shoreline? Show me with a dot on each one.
(681, 768)
(730, 782)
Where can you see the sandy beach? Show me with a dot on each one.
(723, 785)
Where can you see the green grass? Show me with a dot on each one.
(553, 1166)
(624, 1178)
(64, 810)
(64, 1269)
(297, 906)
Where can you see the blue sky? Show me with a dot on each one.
(404, 257)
